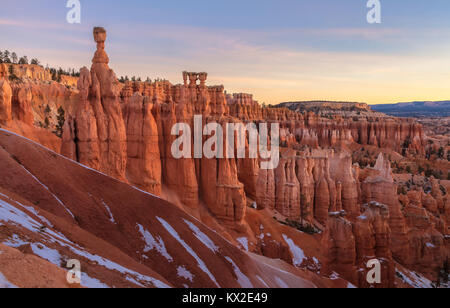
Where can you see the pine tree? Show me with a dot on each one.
(14, 57)
(61, 117)
(35, 61)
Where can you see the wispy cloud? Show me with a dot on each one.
(39, 24)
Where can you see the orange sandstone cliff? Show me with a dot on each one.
(319, 210)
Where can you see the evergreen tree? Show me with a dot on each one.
(61, 118)
(46, 122)
(14, 57)
(23, 61)
(35, 61)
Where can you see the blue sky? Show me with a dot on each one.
(277, 50)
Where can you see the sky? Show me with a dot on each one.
(278, 50)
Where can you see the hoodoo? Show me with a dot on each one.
(351, 185)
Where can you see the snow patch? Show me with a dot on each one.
(202, 237)
(46, 253)
(5, 284)
(92, 283)
(54, 196)
(241, 277)
(11, 214)
(30, 209)
(14, 241)
(244, 242)
(117, 267)
(262, 281)
(334, 276)
(297, 252)
(152, 243)
(200, 263)
(184, 273)
(415, 280)
(430, 245)
(146, 192)
(111, 217)
(281, 283)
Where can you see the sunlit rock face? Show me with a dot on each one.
(5, 102)
(125, 131)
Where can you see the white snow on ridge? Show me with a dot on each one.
(202, 237)
(11, 214)
(14, 241)
(414, 279)
(242, 279)
(244, 242)
(262, 281)
(92, 283)
(117, 267)
(200, 262)
(184, 273)
(281, 283)
(145, 192)
(54, 196)
(30, 209)
(74, 162)
(111, 217)
(152, 243)
(46, 253)
(430, 245)
(297, 252)
(5, 284)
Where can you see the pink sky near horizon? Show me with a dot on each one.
(388, 64)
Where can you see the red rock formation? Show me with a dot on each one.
(379, 186)
(21, 104)
(99, 127)
(338, 244)
(287, 189)
(183, 182)
(143, 162)
(5, 102)
(373, 241)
